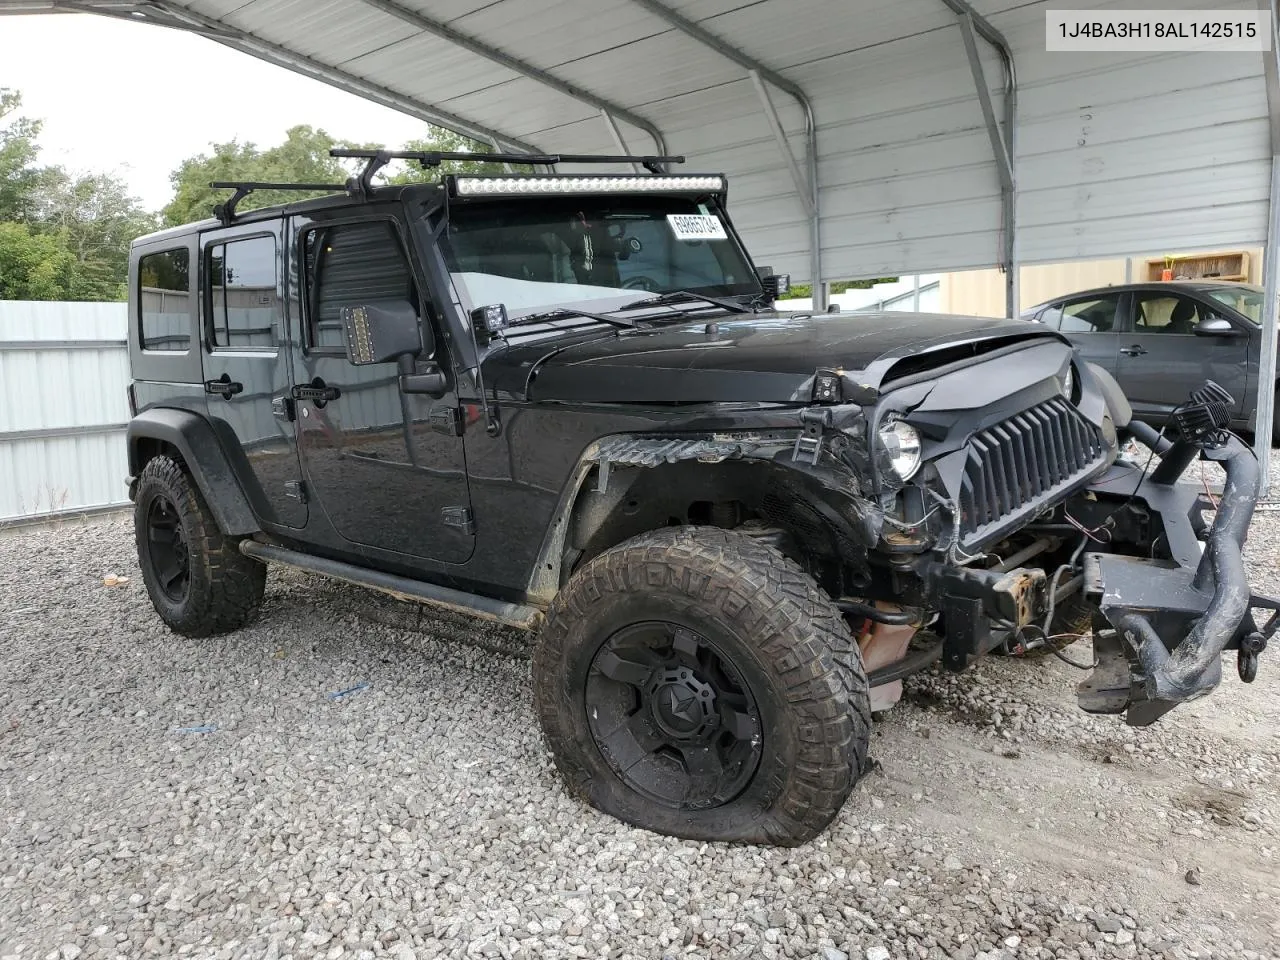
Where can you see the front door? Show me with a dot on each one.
(1162, 359)
(386, 467)
(247, 365)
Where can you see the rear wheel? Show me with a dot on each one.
(198, 580)
(695, 682)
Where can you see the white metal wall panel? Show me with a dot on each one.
(1133, 153)
(1118, 153)
(64, 371)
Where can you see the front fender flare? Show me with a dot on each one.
(206, 459)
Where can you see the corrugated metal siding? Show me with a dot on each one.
(76, 393)
(1117, 152)
(1122, 153)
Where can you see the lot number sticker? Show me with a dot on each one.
(696, 226)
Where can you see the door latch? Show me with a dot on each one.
(295, 490)
(459, 517)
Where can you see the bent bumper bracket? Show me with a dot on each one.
(1165, 624)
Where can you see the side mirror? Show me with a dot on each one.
(776, 284)
(380, 331)
(1214, 327)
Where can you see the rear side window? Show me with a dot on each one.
(1096, 315)
(164, 300)
(243, 300)
(350, 263)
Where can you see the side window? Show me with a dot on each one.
(348, 263)
(1096, 315)
(164, 301)
(1162, 313)
(243, 302)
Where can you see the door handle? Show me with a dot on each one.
(316, 391)
(224, 386)
(1134, 351)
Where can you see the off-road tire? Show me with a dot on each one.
(224, 587)
(778, 629)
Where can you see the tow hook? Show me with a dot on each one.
(1247, 656)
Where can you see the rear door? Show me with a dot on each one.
(246, 362)
(1091, 323)
(1162, 359)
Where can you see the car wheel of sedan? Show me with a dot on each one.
(695, 682)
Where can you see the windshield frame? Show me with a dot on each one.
(441, 220)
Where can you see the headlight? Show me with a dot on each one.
(901, 445)
(1069, 382)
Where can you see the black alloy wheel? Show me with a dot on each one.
(169, 556)
(672, 717)
(198, 580)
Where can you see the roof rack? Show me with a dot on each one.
(226, 211)
(375, 160)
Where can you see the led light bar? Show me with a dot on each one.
(511, 186)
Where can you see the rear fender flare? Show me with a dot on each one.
(206, 459)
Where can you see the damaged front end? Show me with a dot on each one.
(1165, 619)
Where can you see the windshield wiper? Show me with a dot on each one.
(559, 312)
(679, 296)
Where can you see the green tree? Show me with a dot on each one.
(18, 150)
(34, 266)
(65, 236)
(96, 219)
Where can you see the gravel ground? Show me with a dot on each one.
(166, 797)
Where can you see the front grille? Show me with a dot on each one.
(1020, 463)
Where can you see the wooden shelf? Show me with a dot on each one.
(1224, 265)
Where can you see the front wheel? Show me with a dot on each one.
(695, 682)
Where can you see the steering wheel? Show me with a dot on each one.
(648, 284)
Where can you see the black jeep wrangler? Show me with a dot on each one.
(566, 402)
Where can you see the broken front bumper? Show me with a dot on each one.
(1162, 625)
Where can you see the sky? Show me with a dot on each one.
(135, 100)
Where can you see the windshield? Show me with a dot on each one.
(1246, 300)
(592, 252)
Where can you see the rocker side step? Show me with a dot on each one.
(415, 591)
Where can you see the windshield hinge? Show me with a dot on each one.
(808, 445)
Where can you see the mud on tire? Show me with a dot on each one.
(725, 623)
(198, 580)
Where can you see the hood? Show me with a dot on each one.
(763, 358)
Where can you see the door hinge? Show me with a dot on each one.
(446, 420)
(460, 517)
(282, 408)
(295, 490)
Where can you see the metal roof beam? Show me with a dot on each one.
(1264, 427)
(165, 14)
(757, 71)
(472, 45)
(1003, 147)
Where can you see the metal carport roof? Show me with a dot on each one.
(862, 137)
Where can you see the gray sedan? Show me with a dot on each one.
(1160, 340)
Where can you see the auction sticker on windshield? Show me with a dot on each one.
(696, 226)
